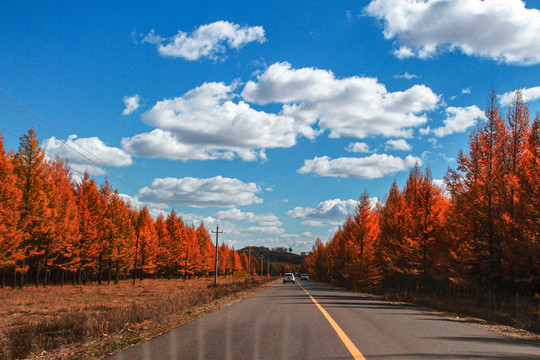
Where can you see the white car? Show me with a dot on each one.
(304, 277)
(289, 277)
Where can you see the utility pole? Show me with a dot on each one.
(262, 262)
(249, 262)
(217, 232)
(268, 268)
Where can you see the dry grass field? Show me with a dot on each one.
(79, 323)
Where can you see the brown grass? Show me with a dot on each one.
(63, 322)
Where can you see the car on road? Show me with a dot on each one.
(288, 277)
(304, 277)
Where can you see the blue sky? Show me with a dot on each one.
(269, 118)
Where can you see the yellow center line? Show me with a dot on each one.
(357, 355)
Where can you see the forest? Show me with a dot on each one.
(54, 230)
(477, 240)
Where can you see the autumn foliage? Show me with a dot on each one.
(482, 234)
(54, 230)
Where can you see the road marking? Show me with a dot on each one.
(357, 355)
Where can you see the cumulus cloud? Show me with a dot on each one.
(528, 94)
(206, 124)
(207, 41)
(355, 106)
(87, 154)
(459, 119)
(327, 213)
(503, 30)
(132, 103)
(399, 145)
(239, 215)
(199, 193)
(441, 185)
(154, 209)
(358, 147)
(371, 167)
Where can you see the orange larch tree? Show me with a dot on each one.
(91, 243)
(191, 256)
(33, 173)
(145, 244)
(10, 236)
(163, 246)
(207, 250)
(391, 246)
(514, 244)
(477, 191)
(529, 217)
(175, 229)
(62, 249)
(364, 235)
(425, 208)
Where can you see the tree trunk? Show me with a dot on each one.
(116, 272)
(14, 283)
(45, 279)
(99, 268)
(109, 272)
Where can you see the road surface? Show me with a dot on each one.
(312, 321)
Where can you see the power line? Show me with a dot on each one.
(65, 135)
(9, 132)
(66, 143)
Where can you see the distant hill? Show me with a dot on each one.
(278, 254)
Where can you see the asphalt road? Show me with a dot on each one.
(284, 322)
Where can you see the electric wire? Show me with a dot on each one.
(65, 135)
(15, 136)
(71, 147)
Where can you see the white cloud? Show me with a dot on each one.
(466, 91)
(372, 167)
(238, 215)
(441, 185)
(132, 103)
(459, 119)
(154, 209)
(358, 147)
(206, 124)
(87, 154)
(355, 106)
(530, 94)
(207, 41)
(199, 193)
(399, 145)
(328, 213)
(406, 75)
(447, 158)
(503, 30)
(403, 53)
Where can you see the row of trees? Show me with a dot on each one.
(484, 231)
(54, 230)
